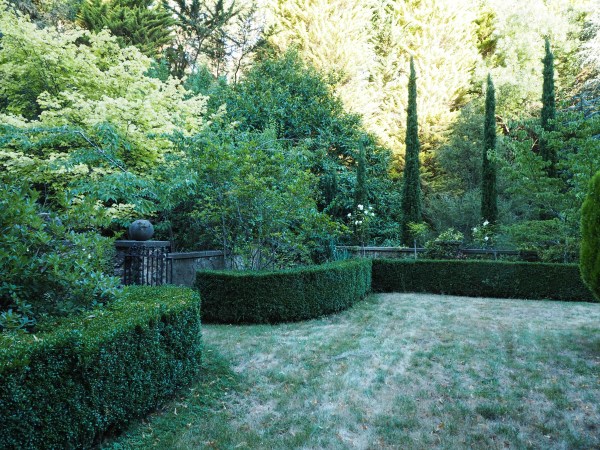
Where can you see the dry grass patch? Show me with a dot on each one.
(403, 371)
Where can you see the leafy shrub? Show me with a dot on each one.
(44, 267)
(590, 238)
(503, 279)
(287, 295)
(444, 246)
(244, 193)
(91, 373)
(550, 239)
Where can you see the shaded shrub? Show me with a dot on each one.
(45, 268)
(65, 387)
(505, 279)
(590, 238)
(445, 246)
(283, 296)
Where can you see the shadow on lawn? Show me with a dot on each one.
(204, 401)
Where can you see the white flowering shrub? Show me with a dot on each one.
(485, 235)
(359, 221)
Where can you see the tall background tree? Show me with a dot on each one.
(411, 191)
(489, 194)
(361, 195)
(142, 23)
(547, 151)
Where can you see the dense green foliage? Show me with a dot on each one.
(200, 25)
(89, 374)
(142, 23)
(284, 106)
(105, 134)
(590, 238)
(481, 279)
(411, 187)
(283, 296)
(45, 267)
(489, 194)
(246, 194)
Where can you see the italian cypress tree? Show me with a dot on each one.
(548, 110)
(589, 258)
(361, 194)
(489, 195)
(411, 191)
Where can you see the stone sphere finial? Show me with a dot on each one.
(141, 230)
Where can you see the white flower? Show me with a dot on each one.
(360, 207)
(373, 214)
(486, 223)
(486, 238)
(356, 222)
(349, 214)
(360, 222)
(475, 230)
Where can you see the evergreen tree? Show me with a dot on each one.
(411, 193)
(589, 258)
(134, 22)
(200, 32)
(489, 194)
(361, 193)
(548, 110)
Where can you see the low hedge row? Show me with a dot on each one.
(66, 387)
(481, 279)
(283, 296)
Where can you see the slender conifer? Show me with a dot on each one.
(489, 195)
(411, 191)
(548, 110)
(361, 194)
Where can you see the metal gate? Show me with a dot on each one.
(146, 265)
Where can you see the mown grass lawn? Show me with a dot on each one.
(395, 371)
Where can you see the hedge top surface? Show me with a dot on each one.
(134, 308)
(475, 262)
(294, 271)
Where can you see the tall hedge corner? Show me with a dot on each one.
(589, 264)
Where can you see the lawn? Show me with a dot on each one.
(395, 371)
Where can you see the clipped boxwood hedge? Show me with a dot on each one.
(66, 387)
(481, 279)
(282, 296)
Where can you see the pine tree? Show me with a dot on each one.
(489, 195)
(411, 192)
(201, 31)
(548, 110)
(134, 22)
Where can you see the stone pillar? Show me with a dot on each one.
(142, 262)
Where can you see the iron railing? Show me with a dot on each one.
(145, 264)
